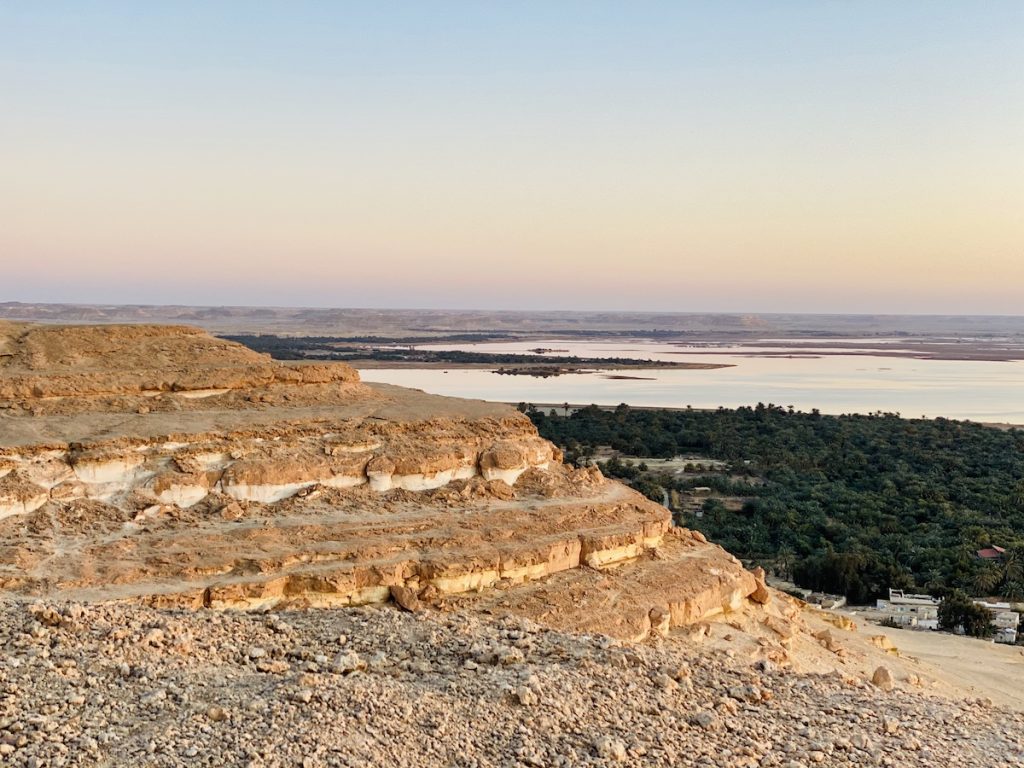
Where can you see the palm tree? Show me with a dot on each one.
(1007, 575)
(1013, 590)
(1018, 495)
(784, 562)
(987, 579)
(1013, 564)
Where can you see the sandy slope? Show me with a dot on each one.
(976, 667)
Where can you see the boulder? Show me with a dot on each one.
(882, 678)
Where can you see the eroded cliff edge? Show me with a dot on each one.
(159, 464)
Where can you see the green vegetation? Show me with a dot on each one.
(347, 349)
(844, 504)
(275, 345)
(958, 610)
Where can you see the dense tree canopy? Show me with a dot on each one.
(849, 504)
(958, 612)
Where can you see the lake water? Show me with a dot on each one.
(848, 383)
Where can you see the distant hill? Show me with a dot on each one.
(431, 322)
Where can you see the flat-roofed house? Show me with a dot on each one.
(1004, 620)
(910, 610)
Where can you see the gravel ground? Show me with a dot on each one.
(87, 685)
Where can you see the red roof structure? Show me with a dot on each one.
(991, 553)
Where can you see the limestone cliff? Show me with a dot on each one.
(157, 463)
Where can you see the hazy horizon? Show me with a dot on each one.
(509, 310)
(810, 157)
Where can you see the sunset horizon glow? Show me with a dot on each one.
(677, 157)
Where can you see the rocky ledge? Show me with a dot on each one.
(177, 512)
(157, 464)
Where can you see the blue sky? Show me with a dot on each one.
(852, 156)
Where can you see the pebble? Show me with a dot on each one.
(379, 686)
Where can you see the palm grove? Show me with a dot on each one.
(852, 505)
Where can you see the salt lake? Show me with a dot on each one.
(833, 383)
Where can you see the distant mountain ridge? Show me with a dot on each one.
(524, 324)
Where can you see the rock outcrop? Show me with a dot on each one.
(148, 470)
(159, 464)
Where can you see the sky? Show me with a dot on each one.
(849, 156)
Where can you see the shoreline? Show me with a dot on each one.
(708, 345)
(923, 348)
(1014, 357)
(578, 406)
(652, 365)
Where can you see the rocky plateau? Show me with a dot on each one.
(180, 516)
(162, 465)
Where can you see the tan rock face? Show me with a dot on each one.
(79, 369)
(160, 464)
(761, 593)
(882, 678)
(19, 495)
(182, 489)
(883, 642)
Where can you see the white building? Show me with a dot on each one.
(1004, 620)
(909, 610)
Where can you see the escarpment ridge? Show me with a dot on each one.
(68, 370)
(158, 464)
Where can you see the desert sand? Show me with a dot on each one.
(975, 667)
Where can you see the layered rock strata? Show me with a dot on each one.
(183, 470)
(158, 464)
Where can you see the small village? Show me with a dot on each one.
(906, 610)
(901, 610)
